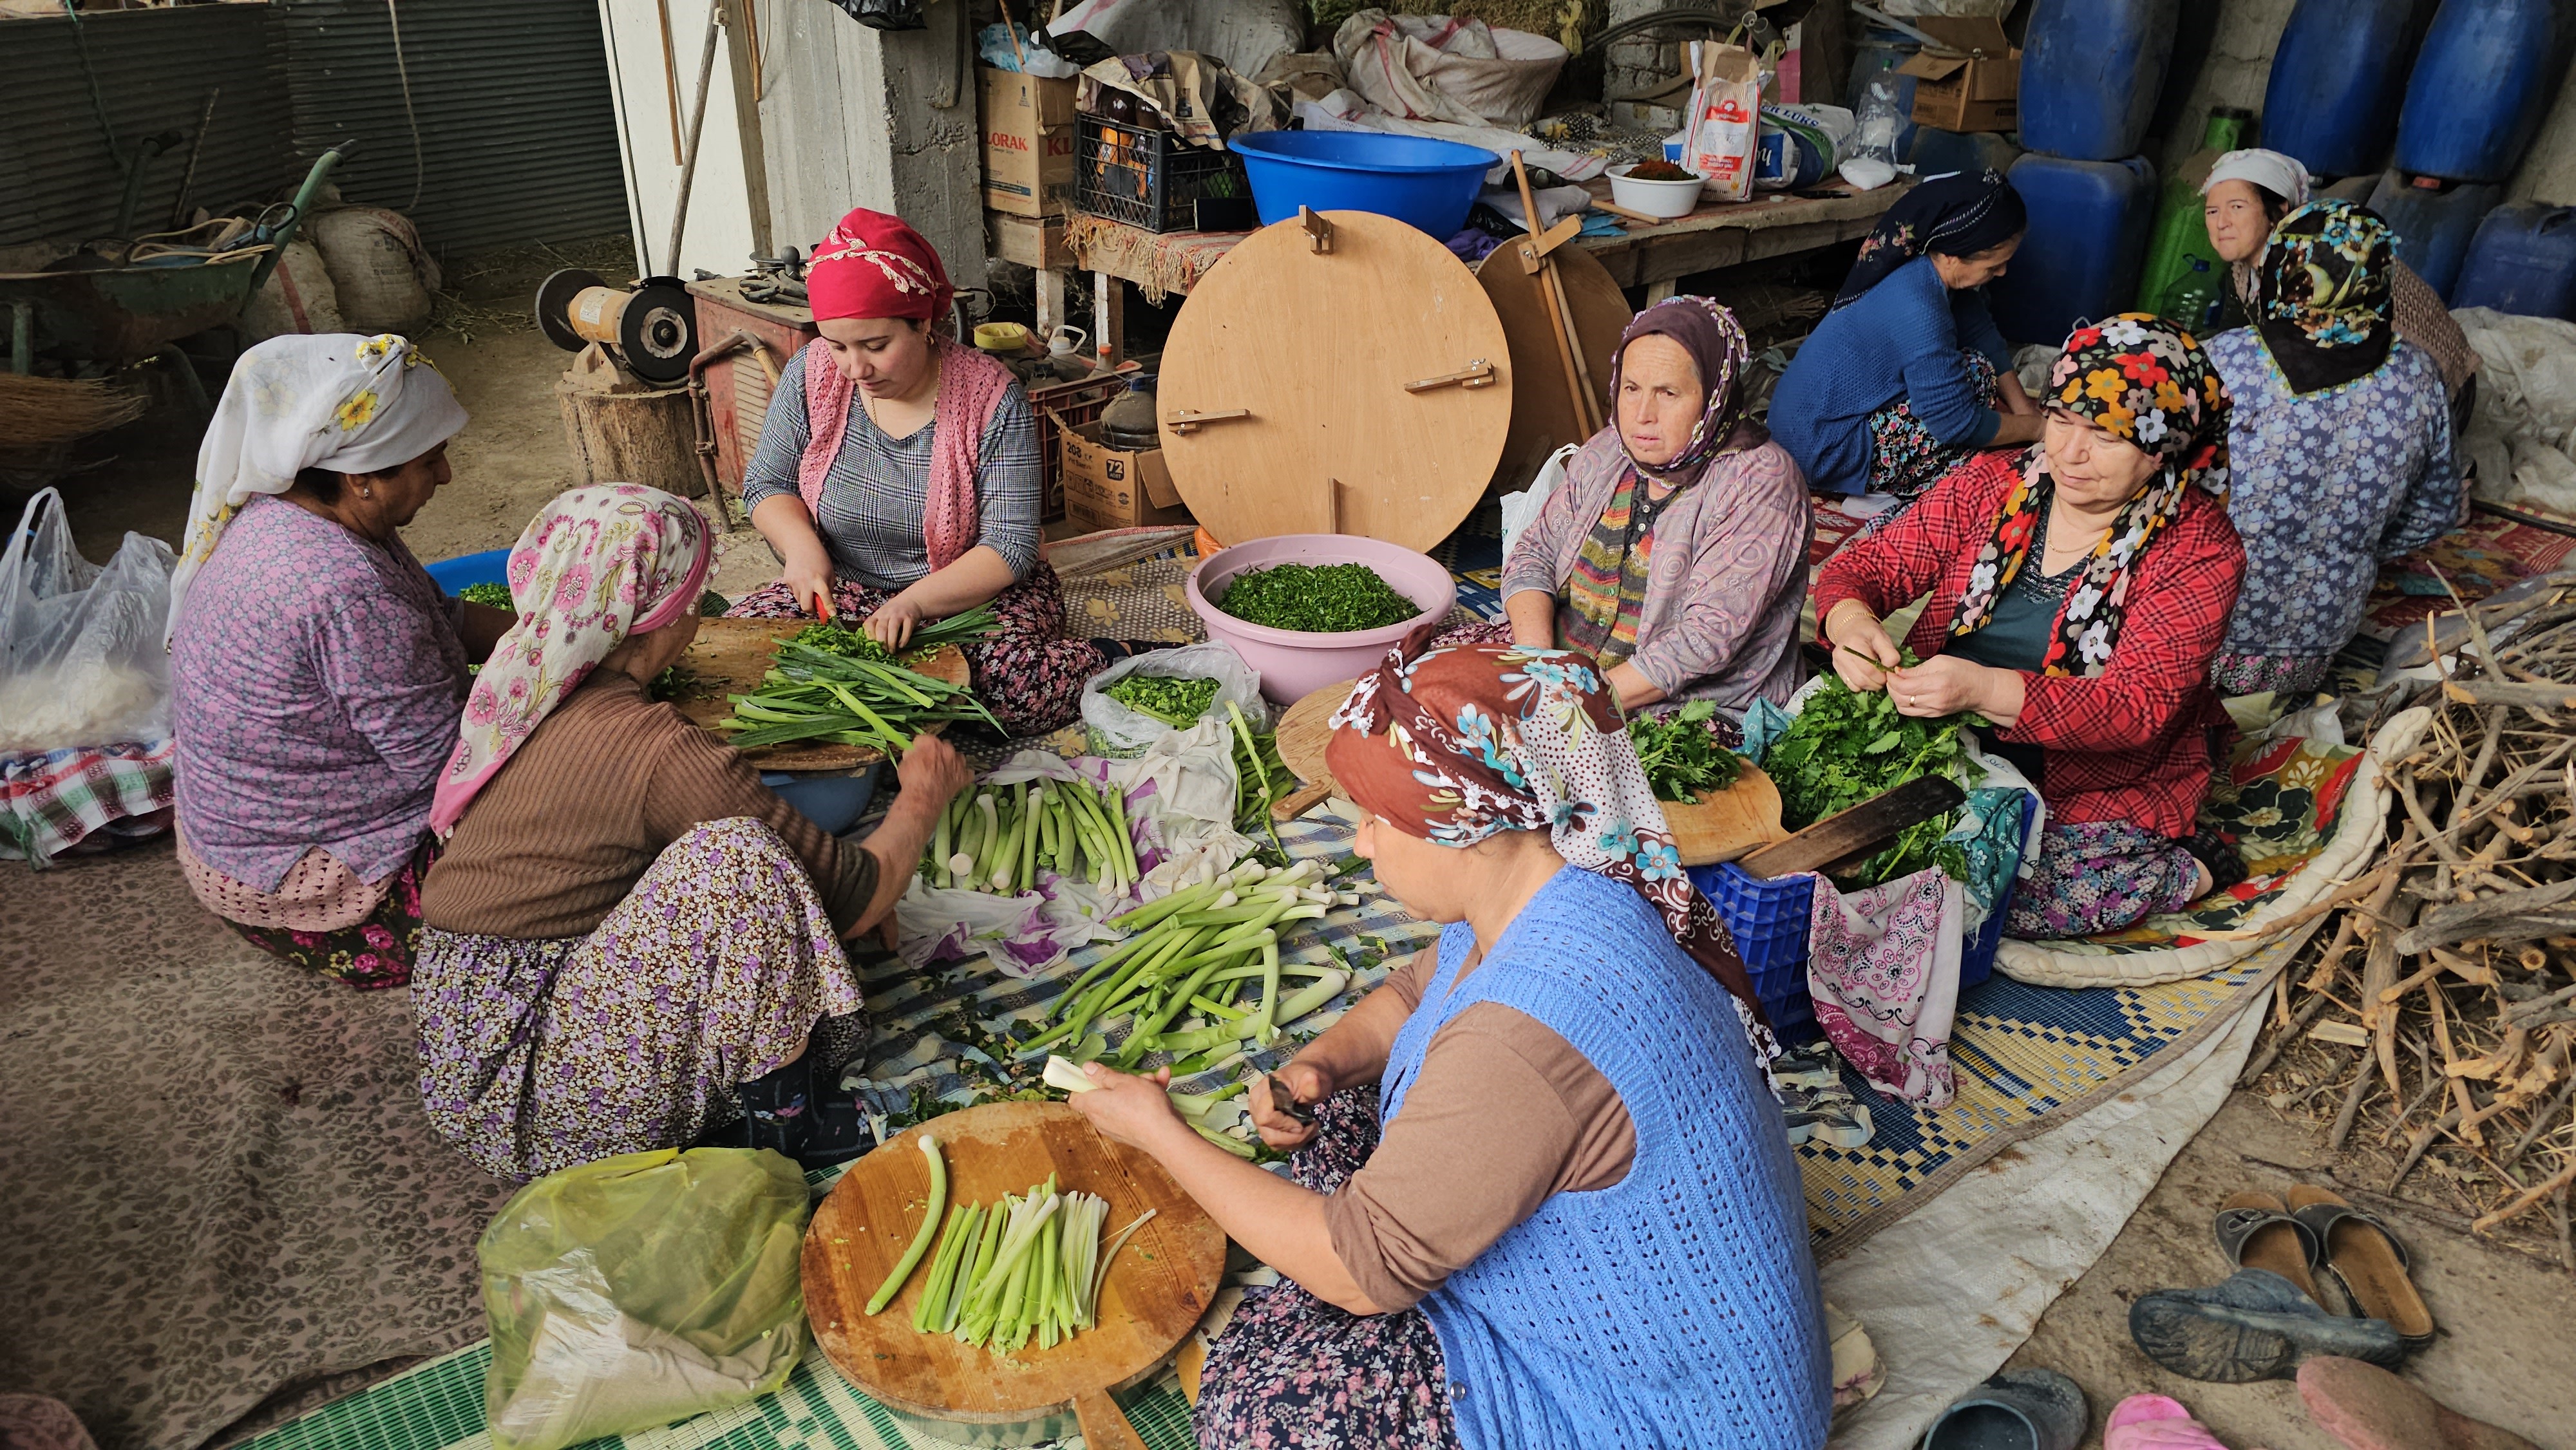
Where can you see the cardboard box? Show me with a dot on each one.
(1973, 83)
(1109, 488)
(1028, 143)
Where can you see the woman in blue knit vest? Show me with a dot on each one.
(1907, 376)
(1567, 1214)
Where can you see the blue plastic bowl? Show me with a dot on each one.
(492, 566)
(1414, 179)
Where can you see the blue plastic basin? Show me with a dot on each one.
(492, 566)
(1414, 179)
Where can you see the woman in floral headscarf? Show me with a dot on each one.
(897, 479)
(1675, 552)
(632, 943)
(2340, 446)
(2078, 592)
(1563, 1095)
(315, 670)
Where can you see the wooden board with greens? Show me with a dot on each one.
(736, 657)
(1846, 747)
(1681, 755)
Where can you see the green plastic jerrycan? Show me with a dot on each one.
(2180, 236)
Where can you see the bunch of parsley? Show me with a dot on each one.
(1845, 748)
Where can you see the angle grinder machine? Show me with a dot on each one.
(651, 328)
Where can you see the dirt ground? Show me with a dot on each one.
(2508, 1346)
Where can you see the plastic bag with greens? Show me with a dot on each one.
(639, 1290)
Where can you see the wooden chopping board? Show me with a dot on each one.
(1302, 734)
(1725, 825)
(730, 658)
(1159, 1285)
(1543, 418)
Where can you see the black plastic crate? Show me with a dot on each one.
(1149, 179)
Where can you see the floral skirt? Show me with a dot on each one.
(1292, 1370)
(2235, 674)
(2099, 876)
(377, 952)
(1029, 675)
(715, 969)
(1904, 457)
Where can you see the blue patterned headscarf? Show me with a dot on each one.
(1958, 214)
(2325, 313)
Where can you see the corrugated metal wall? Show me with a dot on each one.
(154, 67)
(518, 137)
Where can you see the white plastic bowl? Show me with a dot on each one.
(1666, 199)
(1294, 664)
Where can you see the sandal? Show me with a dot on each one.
(2255, 1326)
(2368, 1408)
(2257, 1231)
(2155, 1422)
(2367, 1258)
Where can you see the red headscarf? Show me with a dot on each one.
(875, 265)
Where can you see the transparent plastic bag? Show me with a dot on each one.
(1520, 510)
(81, 661)
(1869, 162)
(639, 1290)
(1122, 733)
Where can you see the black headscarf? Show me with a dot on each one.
(1957, 215)
(2324, 308)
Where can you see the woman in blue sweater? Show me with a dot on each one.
(1907, 375)
(1542, 1193)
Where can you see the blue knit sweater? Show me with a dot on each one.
(1902, 339)
(1679, 1306)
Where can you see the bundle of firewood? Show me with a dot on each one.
(2444, 992)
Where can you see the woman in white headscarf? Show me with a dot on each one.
(316, 671)
(2247, 194)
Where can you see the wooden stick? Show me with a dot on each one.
(2529, 1196)
(1635, 216)
(1558, 322)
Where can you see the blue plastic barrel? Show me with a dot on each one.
(2079, 261)
(2090, 74)
(2523, 261)
(1936, 151)
(1415, 179)
(2480, 86)
(2434, 223)
(492, 566)
(2336, 80)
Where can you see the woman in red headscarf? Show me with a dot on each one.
(897, 478)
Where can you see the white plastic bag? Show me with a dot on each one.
(1725, 120)
(1869, 162)
(81, 661)
(1521, 509)
(1118, 731)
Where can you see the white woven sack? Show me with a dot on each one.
(384, 276)
(297, 298)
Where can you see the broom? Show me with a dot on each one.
(38, 415)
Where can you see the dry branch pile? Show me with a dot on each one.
(2442, 1007)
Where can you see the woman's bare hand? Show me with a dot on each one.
(1941, 685)
(1863, 654)
(1305, 1082)
(893, 622)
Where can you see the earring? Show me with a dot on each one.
(365, 492)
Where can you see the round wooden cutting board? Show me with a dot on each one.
(1158, 1286)
(731, 656)
(1542, 409)
(1365, 388)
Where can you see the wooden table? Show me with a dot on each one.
(1652, 255)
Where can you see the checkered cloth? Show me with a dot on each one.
(55, 800)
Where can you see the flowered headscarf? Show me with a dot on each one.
(1455, 745)
(336, 400)
(876, 265)
(2323, 308)
(1605, 595)
(2147, 382)
(599, 564)
(1957, 214)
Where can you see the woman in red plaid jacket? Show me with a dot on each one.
(2078, 590)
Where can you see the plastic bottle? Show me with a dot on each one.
(2181, 233)
(1130, 422)
(2090, 74)
(2191, 301)
(2480, 86)
(2337, 78)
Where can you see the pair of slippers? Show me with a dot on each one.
(2364, 1406)
(2269, 1317)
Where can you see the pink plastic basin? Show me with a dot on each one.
(1294, 664)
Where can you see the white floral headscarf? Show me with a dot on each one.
(599, 564)
(338, 400)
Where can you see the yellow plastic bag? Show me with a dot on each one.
(639, 1290)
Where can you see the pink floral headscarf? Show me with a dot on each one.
(599, 564)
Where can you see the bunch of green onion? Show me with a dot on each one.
(926, 640)
(1192, 959)
(999, 838)
(816, 694)
(1031, 1265)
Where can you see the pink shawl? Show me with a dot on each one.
(971, 388)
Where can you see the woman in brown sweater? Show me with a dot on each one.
(629, 940)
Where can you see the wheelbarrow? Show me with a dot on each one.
(120, 315)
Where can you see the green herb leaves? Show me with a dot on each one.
(1316, 599)
(1845, 748)
(493, 596)
(1177, 703)
(1682, 758)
